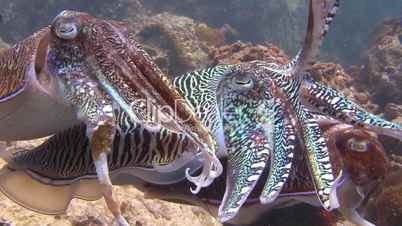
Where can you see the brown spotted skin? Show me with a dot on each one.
(15, 62)
(112, 58)
(28, 109)
(102, 138)
(362, 167)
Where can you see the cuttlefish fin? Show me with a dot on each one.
(20, 187)
(249, 142)
(281, 157)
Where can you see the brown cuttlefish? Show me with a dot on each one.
(83, 69)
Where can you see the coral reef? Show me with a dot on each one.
(254, 19)
(385, 203)
(349, 83)
(175, 42)
(179, 44)
(243, 52)
(383, 70)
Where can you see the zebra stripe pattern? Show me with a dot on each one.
(314, 37)
(313, 138)
(199, 88)
(66, 157)
(338, 106)
(249, 136)
(281, 157)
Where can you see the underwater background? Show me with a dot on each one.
(361, 56)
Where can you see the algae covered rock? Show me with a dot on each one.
(173, 42)
(242, 52)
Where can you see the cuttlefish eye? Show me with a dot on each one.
(242, 81)
(358, 145)
(66, 26)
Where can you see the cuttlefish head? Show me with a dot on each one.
(249, 113)
(85, 49)
(363, 156)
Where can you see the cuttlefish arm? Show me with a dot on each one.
(125, 72)
(249, 139)
(281, 156)
(334, 103)
(319, 19)
(98, 70)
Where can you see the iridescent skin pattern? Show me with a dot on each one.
(102, 61)
(258, 108)
(98, 70)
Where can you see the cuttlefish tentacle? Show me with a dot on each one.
(101, 138)
(281, 156)
(318, 157)
(319, 20)
(99, 71)
(249, 141)
(338, 106)
(200, 88)
(289, 78)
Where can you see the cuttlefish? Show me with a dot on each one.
(82, 69)
(256, 111)
(57, 171)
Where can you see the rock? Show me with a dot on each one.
(175, 42)
(392, 111)
(383, 67)
(254, 19)
(385, 203)
(348, 84)
(243, 52)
